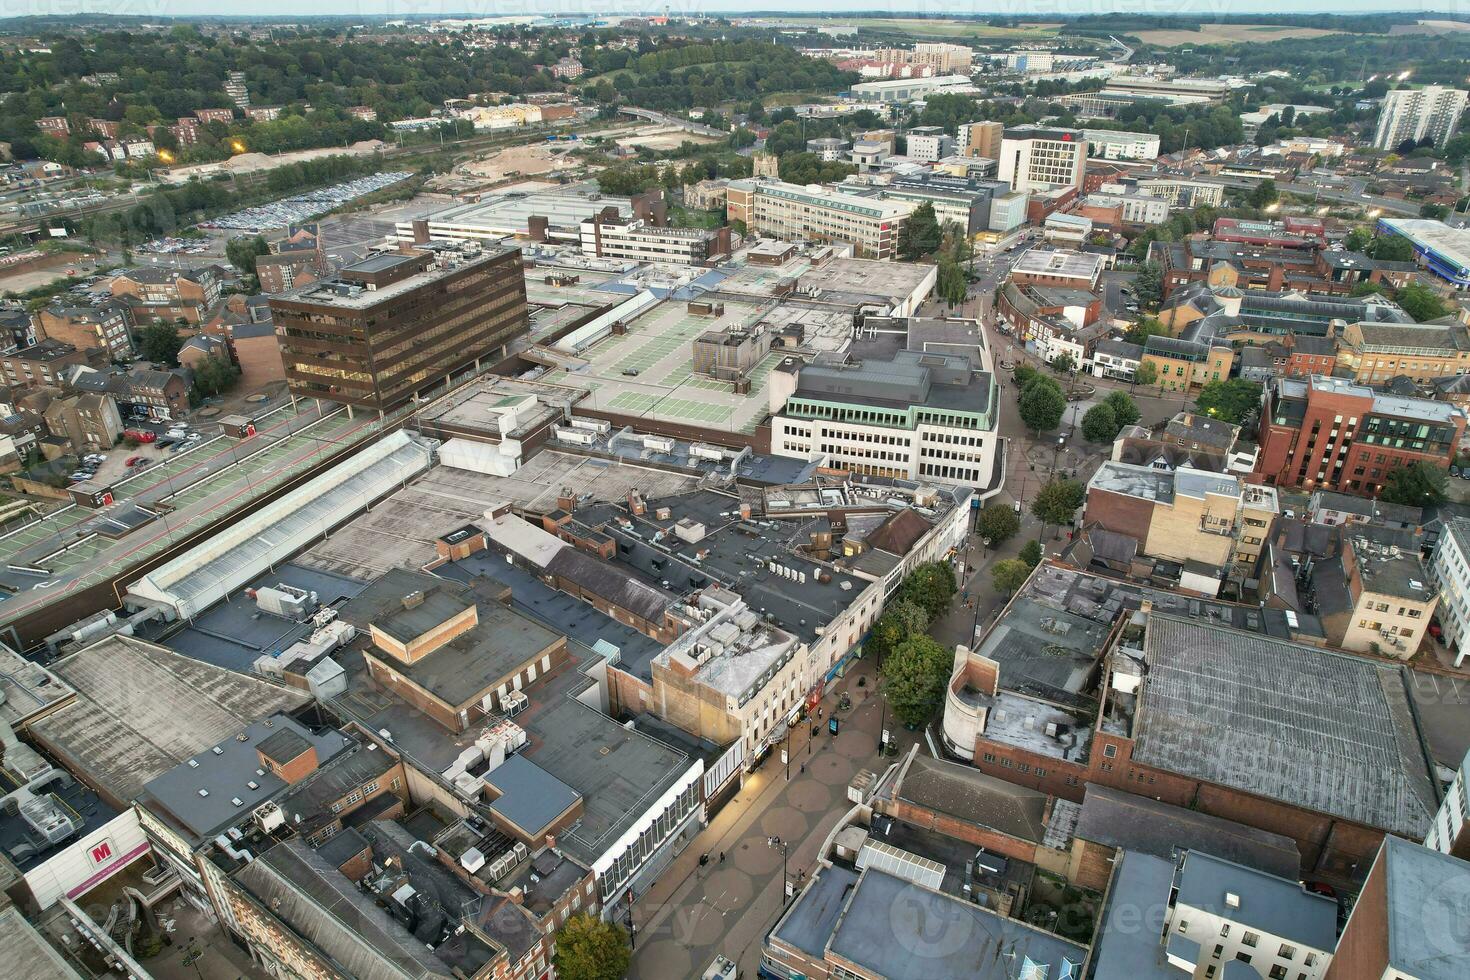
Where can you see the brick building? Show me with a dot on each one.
(1332, 433)
(1211, 718)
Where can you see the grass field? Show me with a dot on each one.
(1228, 34)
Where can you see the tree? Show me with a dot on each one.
(1358, 240)
(1042, 406)
(1420, 302)
(1147, 374)
(1009, 574)
(1031, 553)
(1263, 194)
(930, 587)
(914, 676)
(1392, 248)
(899, 621)
(1416, 485)
(1057, 501)
(215, 375)
(997, 523)
(1062, 363)
(1148, 286)
(242, 252)
(1144, 329)
(590, 949)
(920, 234)
(160, 342)
(1100, 424)
(1229, 400)
(1435, 212)
(1124, 410)
(951, 285)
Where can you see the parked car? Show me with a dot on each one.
(141, 435)
(193, 437)
(134, 460)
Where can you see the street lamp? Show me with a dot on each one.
(785, 884)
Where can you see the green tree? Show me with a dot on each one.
(930, 587)
(1147, 374)
(242, 252)
(1358, 240)
(899, 621)
(1100, 424)
(1392, 248)
(1042, 406)
(951, 285)
(1416, 485)
(214, 376)
(997, 523)
(1062, 363)
(1148, 286)
(1229, 400)
(590, 949)
(1009, 574)
(1144, 329)
(1057, 501)
(1124, 409)
(1023, 375)
(1420, 302)
(1031, 553)
(920, 233)
(160, 342)
(1435, 212)
(1263, 194)
(914, 676)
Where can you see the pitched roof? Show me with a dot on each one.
(1328, 732)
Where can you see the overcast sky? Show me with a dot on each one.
(279, 8)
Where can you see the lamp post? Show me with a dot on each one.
(785, 885)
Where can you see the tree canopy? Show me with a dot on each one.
(1057, 501)
(1229, 400)
(588, 948)
(1100, 424)
(1042, 406)
(998, 523)
(914, 676)
(930, 587)
(1009, 574)
(1416, 485)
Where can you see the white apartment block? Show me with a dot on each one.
(1448, 832)
(1432, 112)
(795, 213)
(1034, 159)
(1183, 193)
(1116, 145)
(1137, 209)
(928, 143)
(1449, 569)
(1225, 913)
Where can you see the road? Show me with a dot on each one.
(1389, 204)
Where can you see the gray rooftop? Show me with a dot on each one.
(1328, 732)
(142, 709)
(1426, 911)
(529, 797)
(1139, 893)
(902, 931)
(212, 790)
(1138, 824)
(969, 795)
(30, 956)
(1280, 906)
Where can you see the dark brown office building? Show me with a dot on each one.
(393, 325)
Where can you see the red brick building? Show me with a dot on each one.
(1328, 433)
(1311, 355)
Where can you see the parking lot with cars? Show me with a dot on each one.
(300, 207)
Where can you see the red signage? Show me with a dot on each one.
(101, 851)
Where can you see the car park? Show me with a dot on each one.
(193, 437)
(135, 460)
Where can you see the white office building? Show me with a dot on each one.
(928, 143)
(1034, 158)
(1449, 567)
(1110, 144)
(1432, 113)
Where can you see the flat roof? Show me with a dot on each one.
(30, 956)
(508, 211)
(1328, 732)
(1139, 892)
(1280, 906)
(905, 946)
(1450, 244)
(1060, 262)
(1426, 911)
(142, 709)
(528, 797)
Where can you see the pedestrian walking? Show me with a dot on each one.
(722, 857)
